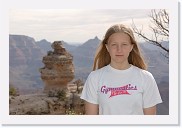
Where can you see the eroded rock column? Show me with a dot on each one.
(58, 69)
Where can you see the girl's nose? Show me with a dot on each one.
(119, 48)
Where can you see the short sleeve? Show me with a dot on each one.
(151, 95)
(90, 89)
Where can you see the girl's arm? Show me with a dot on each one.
(150, 111)
(91, 109)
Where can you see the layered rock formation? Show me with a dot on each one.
(59, 69)
(24, 61)
(62, 93)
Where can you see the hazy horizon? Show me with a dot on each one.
(70, 43)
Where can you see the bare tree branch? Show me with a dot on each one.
(160, 29)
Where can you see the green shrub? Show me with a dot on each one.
(12, 91)
(61, 94)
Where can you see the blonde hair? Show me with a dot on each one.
(102, 57)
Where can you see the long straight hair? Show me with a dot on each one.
(102, 57)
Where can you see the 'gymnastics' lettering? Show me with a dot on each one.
(118, 90)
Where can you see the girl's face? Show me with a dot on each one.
(119, 47)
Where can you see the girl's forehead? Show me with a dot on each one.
(119, 36)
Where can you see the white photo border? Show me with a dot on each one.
(171, 119)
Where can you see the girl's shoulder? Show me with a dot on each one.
(98, 72)
(142, 72)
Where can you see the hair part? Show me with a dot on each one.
(102, 57)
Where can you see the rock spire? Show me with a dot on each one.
(58, 70)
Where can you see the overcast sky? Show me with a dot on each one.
(72, 25)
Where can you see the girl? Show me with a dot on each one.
(119, 82)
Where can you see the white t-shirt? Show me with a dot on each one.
(121, 92)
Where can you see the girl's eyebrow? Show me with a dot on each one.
(118, 42)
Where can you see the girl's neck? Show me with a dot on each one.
(120, 66)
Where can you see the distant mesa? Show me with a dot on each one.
(96, 38)
(58, 70)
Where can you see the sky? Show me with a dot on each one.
(73, 25)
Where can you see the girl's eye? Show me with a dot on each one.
(113, 44)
